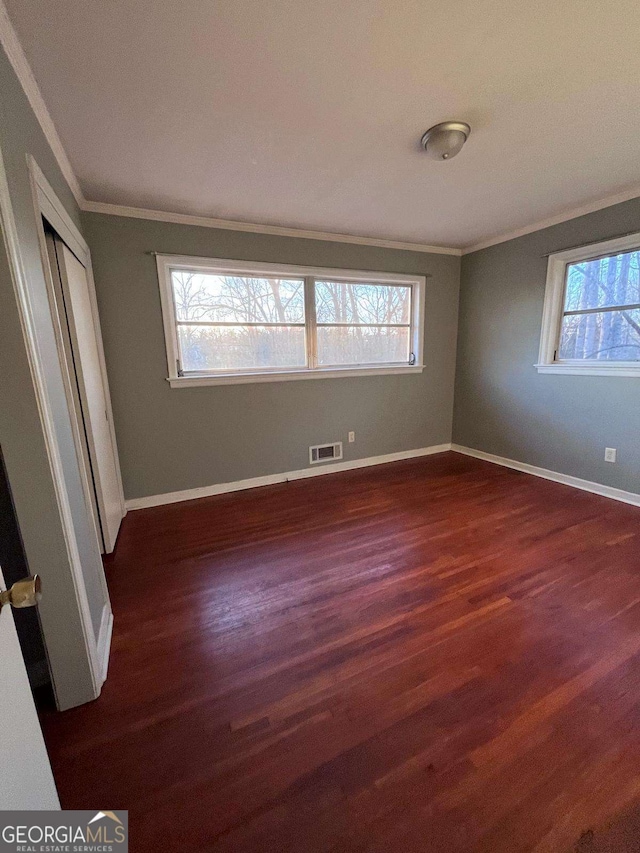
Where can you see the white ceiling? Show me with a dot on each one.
(309, 114)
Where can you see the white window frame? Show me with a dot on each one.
(167, 263)
(548, 362)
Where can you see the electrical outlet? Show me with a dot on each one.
(610, 454)
(352, 437)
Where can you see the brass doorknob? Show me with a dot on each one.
(24, 593)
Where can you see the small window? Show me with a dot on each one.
(229, 322)
(592, 310)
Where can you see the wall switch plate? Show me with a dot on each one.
(610, 454)
(352, 437)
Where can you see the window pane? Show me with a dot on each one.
(241, 347)
(237, 299)
(603, 282)
(606, 336)
(337, 302)
(362, 345)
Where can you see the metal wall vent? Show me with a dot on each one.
(325, 452)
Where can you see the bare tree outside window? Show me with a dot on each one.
(231, 322)
(601, 317)
(362, 323)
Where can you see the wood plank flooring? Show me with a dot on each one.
(432, 655)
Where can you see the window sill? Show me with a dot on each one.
(590, 369)
(291, 375)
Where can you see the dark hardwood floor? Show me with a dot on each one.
(432, 655)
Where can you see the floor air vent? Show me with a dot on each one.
(325, 452)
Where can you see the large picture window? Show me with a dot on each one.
(229, 322)
(592, 310)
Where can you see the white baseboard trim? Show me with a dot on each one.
(565, 479)
(271, 479)
(104, 641)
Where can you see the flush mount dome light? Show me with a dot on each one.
(443, 141)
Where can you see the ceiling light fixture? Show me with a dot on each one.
(443, 141)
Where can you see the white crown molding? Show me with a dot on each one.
(574, 213)
(254, 228)
(272, 479)
(15, 54)
(632, 498)
(11, 44)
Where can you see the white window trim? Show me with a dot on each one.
(166, 263)
(553, 311)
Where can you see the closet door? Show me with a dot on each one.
(87, 365)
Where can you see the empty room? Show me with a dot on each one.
(319, 426)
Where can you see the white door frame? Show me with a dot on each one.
(97, 653)
(47, 204)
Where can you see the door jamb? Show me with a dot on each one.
(27, 322)
(46, 203)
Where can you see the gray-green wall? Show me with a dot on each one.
(174, 439)
(502, 405)
(21, 435)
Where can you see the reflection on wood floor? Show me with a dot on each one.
(432, 655)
